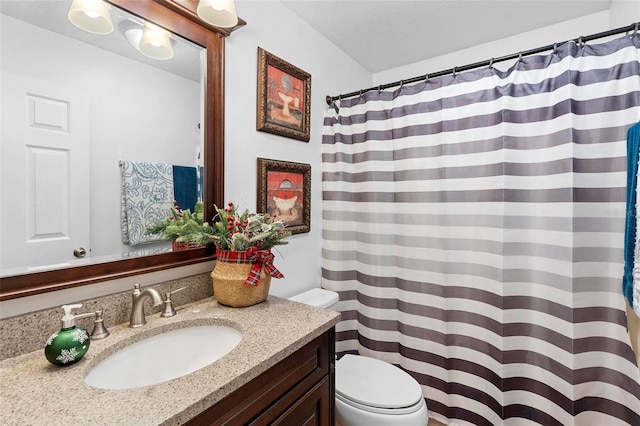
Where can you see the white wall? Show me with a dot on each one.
(623, 13)
(276, 29)
(620, 14)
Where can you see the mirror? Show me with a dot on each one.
(140, 110)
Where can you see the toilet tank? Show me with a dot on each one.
(318, 297)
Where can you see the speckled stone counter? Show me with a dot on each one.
(34, 392)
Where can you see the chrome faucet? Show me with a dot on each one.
(137, 318)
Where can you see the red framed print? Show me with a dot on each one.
(284, 98)
(284, 191)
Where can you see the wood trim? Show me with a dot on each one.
(214, 128)
(29, 284)
(187, 8)
(42, 282)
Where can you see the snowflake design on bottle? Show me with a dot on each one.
(50, 339)
(80, 335)
(67, 355)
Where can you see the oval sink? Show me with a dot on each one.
(163, 357)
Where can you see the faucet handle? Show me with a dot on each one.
(99, 330)
(168, 310)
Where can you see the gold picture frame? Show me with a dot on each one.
(284, 190)
(284, 98)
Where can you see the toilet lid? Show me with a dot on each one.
(375, 383)
(318, 297)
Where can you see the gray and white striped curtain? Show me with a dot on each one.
(473, 226)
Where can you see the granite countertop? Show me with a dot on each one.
(35, 392)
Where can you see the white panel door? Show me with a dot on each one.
(44, 155)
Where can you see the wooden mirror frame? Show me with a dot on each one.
(41, 282)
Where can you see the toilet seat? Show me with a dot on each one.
(377, 410)
(376, 386)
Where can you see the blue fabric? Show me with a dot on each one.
(633, 145)
(185, 187)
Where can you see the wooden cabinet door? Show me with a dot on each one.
(296, 391)
(310, 410)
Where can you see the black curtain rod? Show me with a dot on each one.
(583, 39)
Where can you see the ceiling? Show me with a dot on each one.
(385, 34)
(378, 34)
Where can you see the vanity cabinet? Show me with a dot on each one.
(299, 390)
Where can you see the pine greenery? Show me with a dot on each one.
(231, 230)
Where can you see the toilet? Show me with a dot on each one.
(370, 391)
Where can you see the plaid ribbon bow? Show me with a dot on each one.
(259, 259)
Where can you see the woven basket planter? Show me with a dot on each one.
(183, 245)
(229, 288)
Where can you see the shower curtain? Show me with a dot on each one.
(473, 227)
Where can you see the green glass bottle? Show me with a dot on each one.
(68, 345)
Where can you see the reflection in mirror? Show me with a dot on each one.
(77, 110)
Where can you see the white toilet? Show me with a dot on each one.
(369, 391)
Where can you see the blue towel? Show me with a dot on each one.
(185, 187)
(633, 145)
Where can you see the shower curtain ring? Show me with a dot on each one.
(491, 63)
(520, 57)
(401, 83)
(635, 29)
(426, 77)
(379, 88)
(453, 73)
(555, 48)
(580, 42)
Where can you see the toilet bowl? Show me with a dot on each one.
(370, 391)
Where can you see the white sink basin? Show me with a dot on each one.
(163, 357)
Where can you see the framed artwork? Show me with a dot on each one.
(284, 190)
(284, 98)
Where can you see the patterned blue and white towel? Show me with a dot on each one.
(147, 196)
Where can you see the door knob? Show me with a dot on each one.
(80, 252)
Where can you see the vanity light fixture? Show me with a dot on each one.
(155, 42)
(219, 13)
(133, 29)
(92, 16)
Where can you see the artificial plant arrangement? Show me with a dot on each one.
(244, 265)
(183, 226)
(243, 248)
(233, 231)
(238, 232)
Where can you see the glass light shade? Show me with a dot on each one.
(133, 36)
(155, 43)
(92, 16)
(220, 13)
